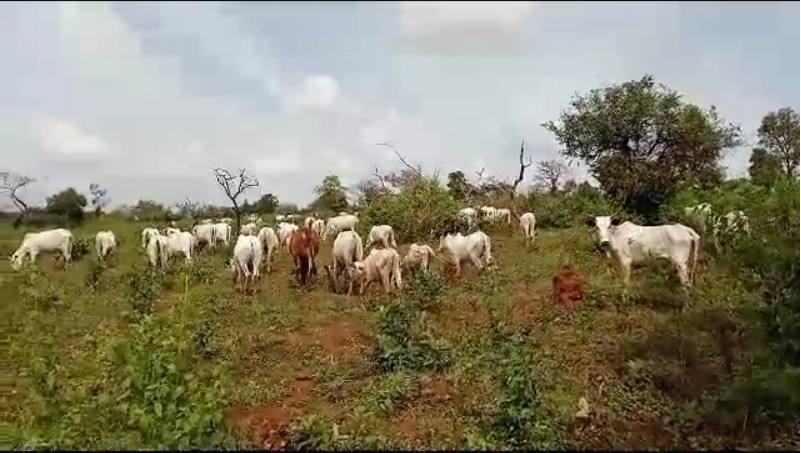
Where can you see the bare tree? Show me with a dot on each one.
(550, 174)
(10, 185)
(188, 207)
(99, 200)
(523, 165)
(234, 186)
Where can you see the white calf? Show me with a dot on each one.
(382, 235)
(205, 233)
(380, 264)
(419, 256)
(57, 240)
(474, 247)
(631, 243)
(347, 249)
(105, 243)
(269, 242)
(246, 261)
(528, 224)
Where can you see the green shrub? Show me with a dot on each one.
(402, 343)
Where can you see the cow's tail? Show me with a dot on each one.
(359, 250)
(392, 239)
(487, 250)
(695, 244)
(396, 270)
(70, 243)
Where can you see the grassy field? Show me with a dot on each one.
(122, 357)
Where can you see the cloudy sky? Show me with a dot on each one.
(144, 98)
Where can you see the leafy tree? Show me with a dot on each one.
(779, 136)
(330, 195)
(288, 208)
(266, 204)
(458, 185)
(550, 174)
(68, 203)
(765, 167)
(99, 200)
(641, 140)
(148, 210)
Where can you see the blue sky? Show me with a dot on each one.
(145, 98)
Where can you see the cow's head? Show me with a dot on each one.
(604, 226)
(16, 261)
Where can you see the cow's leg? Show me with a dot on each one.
(458, 265)
(477, 262)
(385, 281)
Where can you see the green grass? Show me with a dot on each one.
(118, 357)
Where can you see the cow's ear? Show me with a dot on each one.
(615, 222)
(590, 221)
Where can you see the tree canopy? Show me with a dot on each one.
(330, 195)
(68, 203)
(765, 167)
(778, 135)
(640, 140)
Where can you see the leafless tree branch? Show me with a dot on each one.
(234, 186)
(523, 165)
(10, 184)
(417, 169)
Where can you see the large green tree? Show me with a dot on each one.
(330, 195)
(640, 140)
(266, 204)
(778, 134)
(458, 185)
(68, 203)
(765, 167)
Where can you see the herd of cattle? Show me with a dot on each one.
(256, 245)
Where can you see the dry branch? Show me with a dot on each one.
(403, 160)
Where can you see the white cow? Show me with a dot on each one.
(226, 220)
(487, 212)
(285, 231)
(469, 215)
(269, 242)
(206, 222)
(631, 243)
(171, 230)
(308, 221)
(528, 224)
(380, 264)
(249, 229)
(503, 214)
(419, 256)
(340, 223)
(347, 249)
(157, 250)
(280, 218)
(246, 261)
(475, 247)
(205, 233)
(318, 226)
(105, 243)
(147, 233)
(222, 233)
(57, 240)
(382, 235)
(181, 242)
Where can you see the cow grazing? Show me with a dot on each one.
(419, 256)
(222, 233)
(58, 240)
(380, 264)
(246, 262)
(347, 249)
(146, 234)
(157, 251)
(340, 223)
(528, 224)
(382, 235)
(474, 247)
(181, 242)
(269, 242)
(204, 233)
(303, 246)
(631, 243)
(105, 243)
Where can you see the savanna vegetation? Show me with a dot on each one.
(117, 355)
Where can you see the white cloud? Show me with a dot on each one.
(67, 139)
(459, 17)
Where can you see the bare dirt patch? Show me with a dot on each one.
(434, 394)
(341, 339)
(268, 426)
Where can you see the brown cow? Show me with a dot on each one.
(303, 246)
